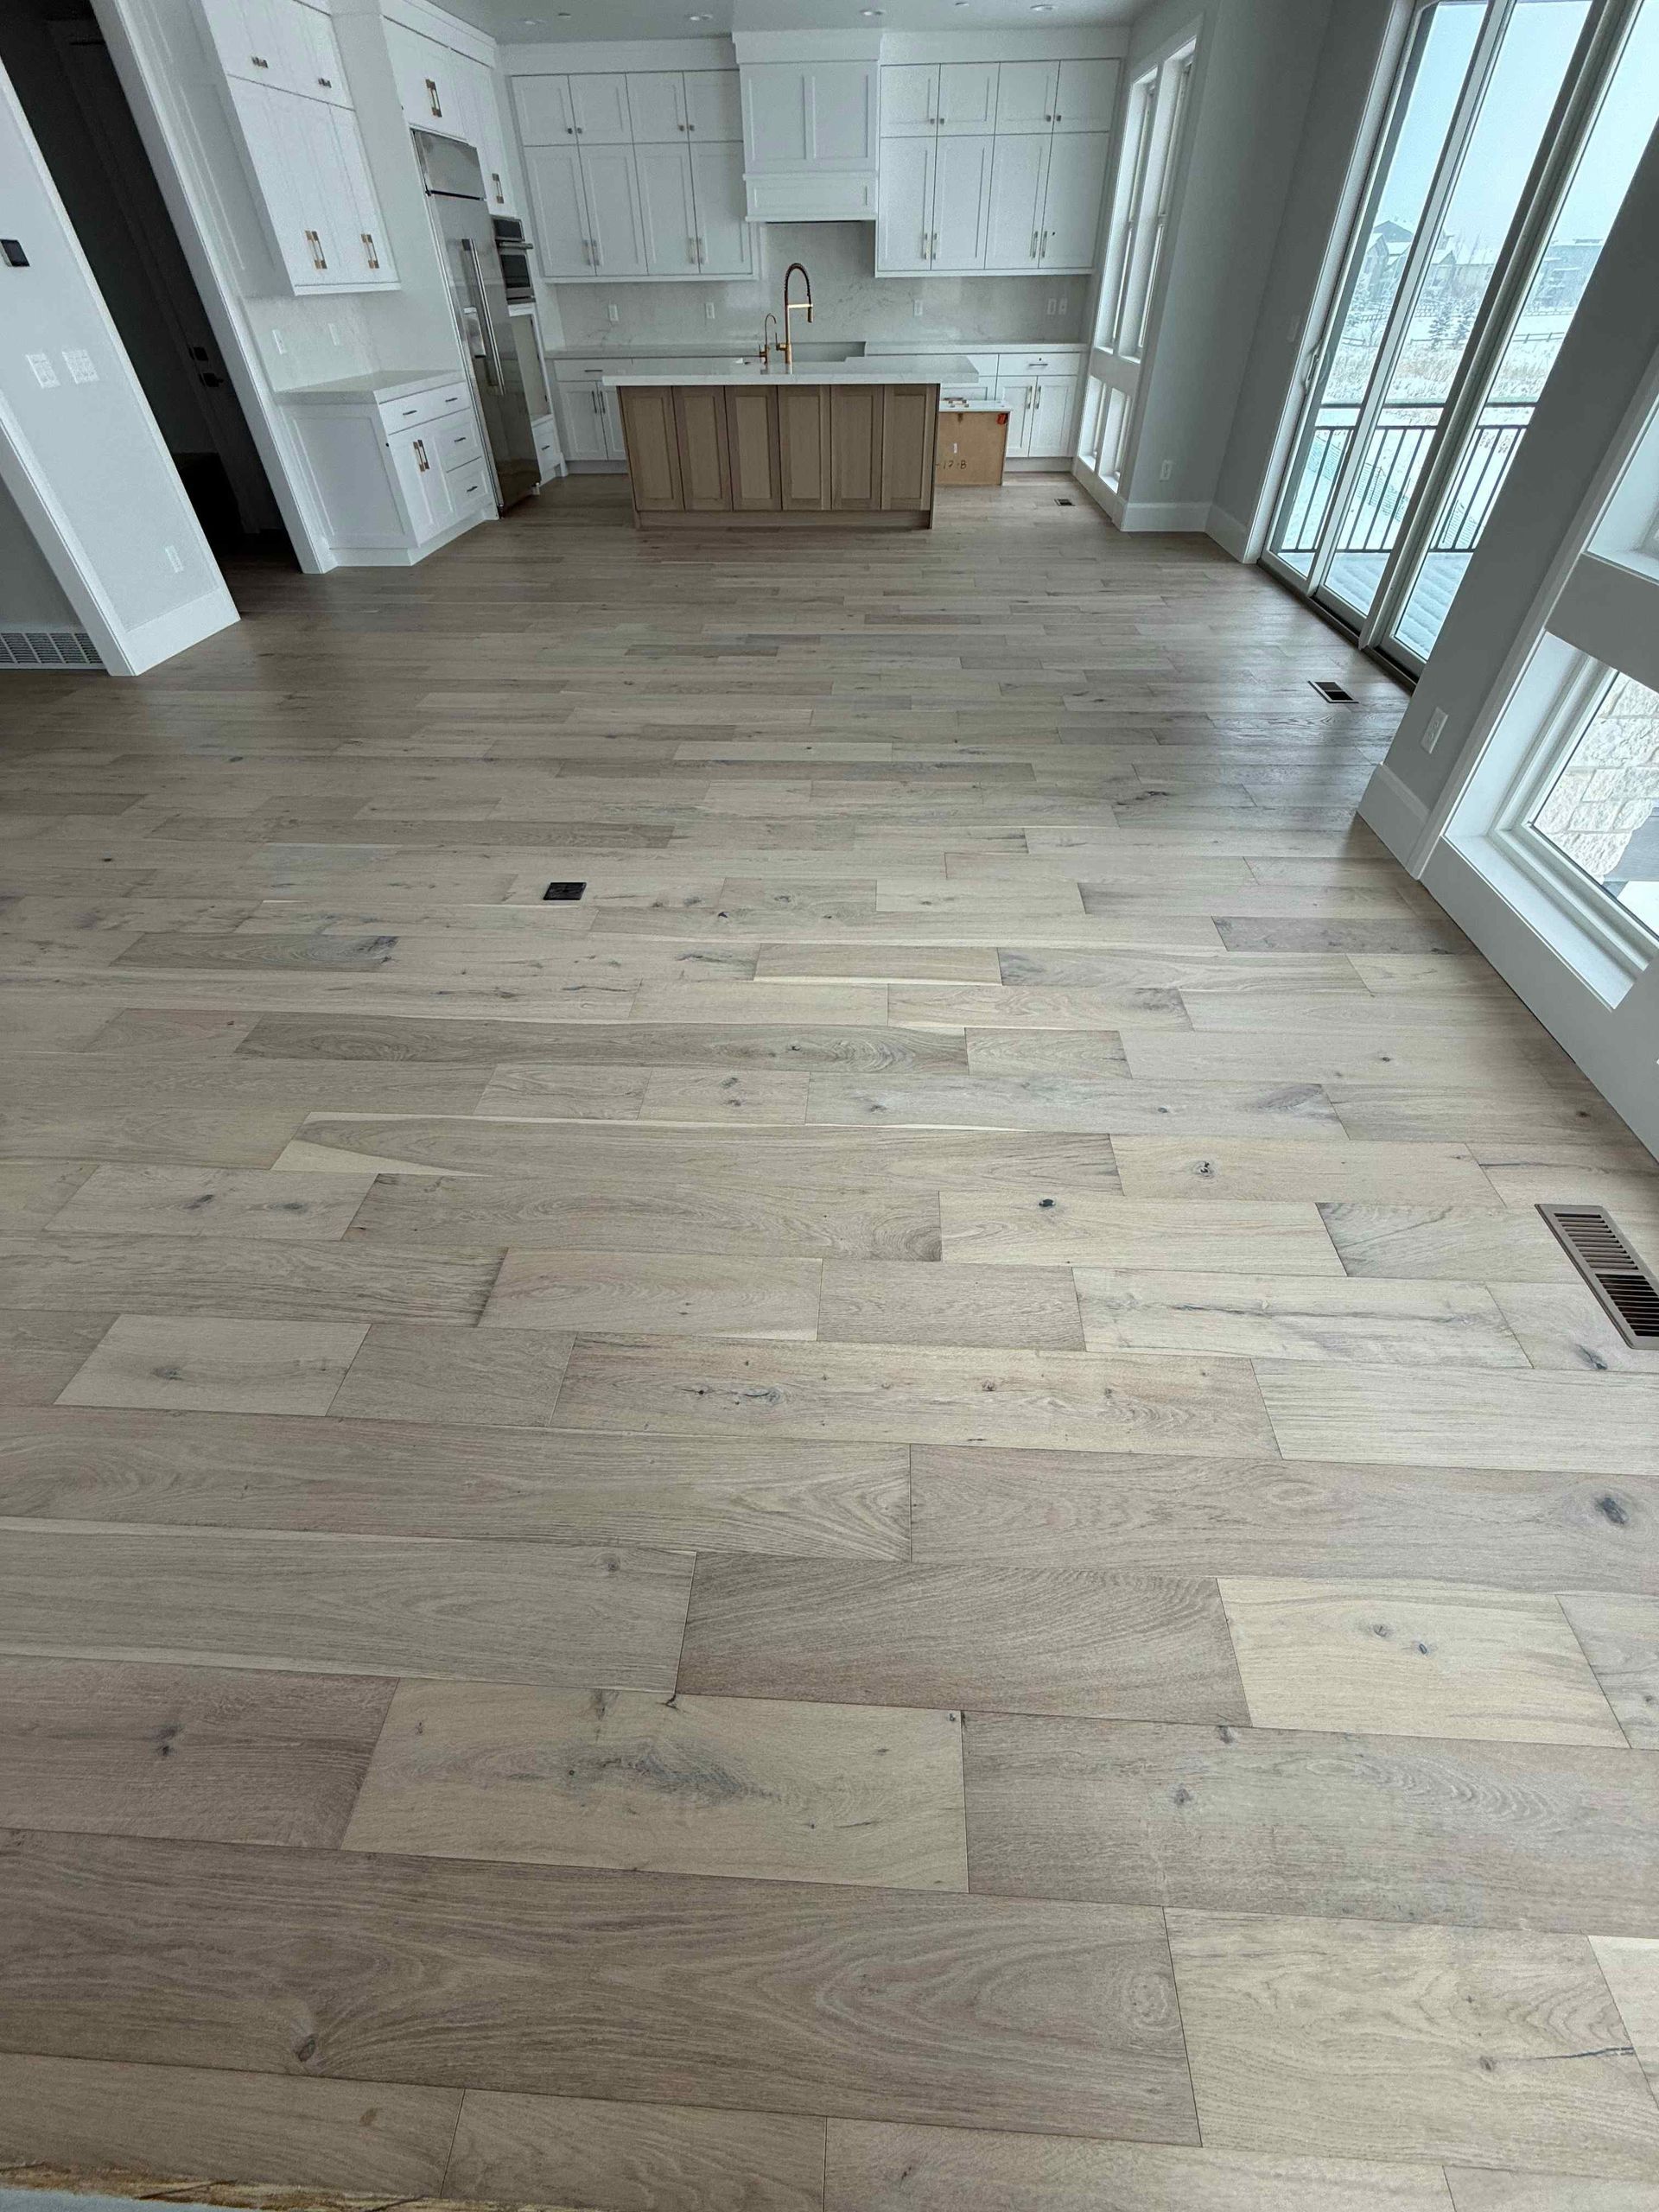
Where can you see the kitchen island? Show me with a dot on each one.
(839, 442)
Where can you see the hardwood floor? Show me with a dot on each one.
(905, 1512)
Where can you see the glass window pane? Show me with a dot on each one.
(1526, 80)
(1625, 120)
(1602, 810)
(1427, 99)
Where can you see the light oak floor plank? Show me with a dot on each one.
(1063, 1227)
(1372, 1323)
(871, 1303)
(663, 1295)
(212, 1201)
(201, 1365)
(684, 1785)
(1619, 1635)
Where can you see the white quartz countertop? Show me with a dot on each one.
(864, 368)
(375, 383)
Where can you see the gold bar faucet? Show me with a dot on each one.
(794, 307)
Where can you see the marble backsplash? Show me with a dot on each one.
(851, 304)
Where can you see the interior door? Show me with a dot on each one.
(616, 231)
(667, 209)
(725, 242)
(962, 202)
(905, 211)
(1018, 167)
(559, 205)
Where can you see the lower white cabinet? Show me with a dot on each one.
(1041, 410)
(590, 420)
(605, 212)
(396, 470)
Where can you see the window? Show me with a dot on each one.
(1600, 811)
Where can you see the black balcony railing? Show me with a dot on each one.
(1386, 481)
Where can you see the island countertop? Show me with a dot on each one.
(863, 368)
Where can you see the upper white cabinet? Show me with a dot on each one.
(811, 140)
(454, 96)
(664, 199)
(286, 89)
(994, 166)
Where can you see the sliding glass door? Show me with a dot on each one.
(1511, 139)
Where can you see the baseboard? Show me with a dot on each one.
(405, 557)
(599, 467)
(1396, 813)
(1228, 531)
(1179, 517)
(158, 639)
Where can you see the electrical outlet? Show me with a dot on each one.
(173, 560)
(276, 340)
(916, 306)
(708, 310)
(1053, 303)
(1435, 729)
(1166, 472)
(610, 310)
(333, 333)
(1063, 303)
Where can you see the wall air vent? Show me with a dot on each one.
(48, 648)
(1333, 692)
(1625, 1288)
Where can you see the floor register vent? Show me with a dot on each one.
(48, 648)
(1624, 1286)
(1334, 692)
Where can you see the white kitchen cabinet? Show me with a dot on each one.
(668, 210)
(1085, 98)
(546, 117)
(601, 110)
(480, 123)
(363, 248)
(1018, 169)
(261, 41)
(713, 111)
(910, 100)
(657, 106)
(725, 242)
(810, 115)
(425, 74)
(396, 470)
(616, 229)
(322, 71)
(314, 188)
(558, 210)
(1073, 187)
(967, 98)
(421, 480)
(962, 202)
(1054, 410)
(590, 422)
(904, 223)
(1026, 94)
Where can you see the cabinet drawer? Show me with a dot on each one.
(1049, 360)
(470, 489)
(456, 443)
(585, 372)
(417, 407)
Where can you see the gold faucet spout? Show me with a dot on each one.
(795, 306)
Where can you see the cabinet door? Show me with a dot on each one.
(910, 437)
(610, 423)
(581, 425)
(616, 231)
(260, 40)
(714, 114)
(361, 237)
(840, 102)
(602, 110)
(1016, 221)
(966, 98)
(856, 411)
(962, 202)
(910, 100)
(1077, 179)
(751, 449)
(422, 482)
(653, 448)
(542, 104)
(1055, 400)
(1018, 398)
(904, 235)
(1086, 96)
(700, 434)
(491, 142)
(279, 160)
(667, 209)
(1025, 95)
(558, 210)
(657, 106)
(322, 71)
(804, 446)
(425, 85)
(332, 208)
(725, 242)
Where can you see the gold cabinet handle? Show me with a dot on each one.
(422, 465)
(368, 248)
(933, 249)
(495, 179)
(432, 95)
(259, 61)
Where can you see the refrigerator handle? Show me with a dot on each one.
(481, 308)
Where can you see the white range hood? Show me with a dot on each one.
(811, 124)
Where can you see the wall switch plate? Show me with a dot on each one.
(45, 375)
(79, 364)
(334, 333)
(1166, 471)
(1054, 303)
(610, 311)
(916, 306)
(173, 562)
(1435, 729)
(708, 310)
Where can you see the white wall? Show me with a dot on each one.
(80, 453)
(1249, 94)
(30, 593)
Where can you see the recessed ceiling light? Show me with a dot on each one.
(872, 11)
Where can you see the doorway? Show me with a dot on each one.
(55, 52)
(1510, 137)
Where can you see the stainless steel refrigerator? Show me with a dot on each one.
(466, 237)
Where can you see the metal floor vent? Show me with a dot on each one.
(1065, 503)
(1624, 1286)
(1333, 692)
(48, 648)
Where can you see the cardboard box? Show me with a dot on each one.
(972, 444)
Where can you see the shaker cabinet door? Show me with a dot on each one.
(751, 449)
(804, 446)
(657, 106)
(616, 230)
(962, 202)
(667, 209)
(700, 434)
(725, 242)
(904, 212)
(1018, 167)
(856, 411)
(1086, 97)
(966, 98)
(545, 114)
(1025, 95)
(653, 448)
(1075, 183)
(910, 100)
(602, 110)
(558, 210)
(714, 114)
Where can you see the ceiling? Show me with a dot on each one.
(534, 21)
